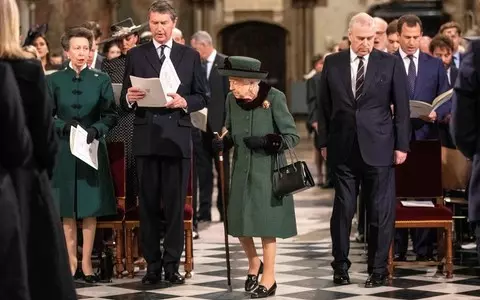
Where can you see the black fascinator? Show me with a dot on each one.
(34, 32)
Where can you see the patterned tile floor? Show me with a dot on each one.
(303, 266)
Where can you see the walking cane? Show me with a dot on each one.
(225, 216)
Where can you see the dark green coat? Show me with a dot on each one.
(80, 190)
(253, 210)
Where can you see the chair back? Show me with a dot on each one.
(420, 176)
(116, 155)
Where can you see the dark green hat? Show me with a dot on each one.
(243, 67)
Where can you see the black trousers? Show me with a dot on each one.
(163, 184)
(422, 239)
(205, 157)
(362, 228)
(378, 188)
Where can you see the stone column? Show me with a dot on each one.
(56, 17)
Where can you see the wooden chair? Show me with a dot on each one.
(133, 222)
(116, 154)
(420, 177)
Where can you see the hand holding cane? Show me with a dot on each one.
(225, 216)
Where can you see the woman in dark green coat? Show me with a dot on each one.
(260, 127)
(82, 97)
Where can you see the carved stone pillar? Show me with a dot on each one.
(54, 15)
(305, 30)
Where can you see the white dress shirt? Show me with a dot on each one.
(210, 62)
(406, 60)
(354, 68)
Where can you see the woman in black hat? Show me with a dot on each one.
(260, 127)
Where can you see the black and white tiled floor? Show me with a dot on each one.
(303, 266)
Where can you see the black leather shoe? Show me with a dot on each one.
(174, 278)
(91, 278)
(375, 280)
(151, 278)
(262, 292)
(252, 280)
(341, 278)
(78, 274)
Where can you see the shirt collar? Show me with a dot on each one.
(354, 56)
(71, 66)
(212, 55)
(403, 54)
(169, 43)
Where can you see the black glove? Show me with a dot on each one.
(66, 127)
(271, 143)
(92, 134)
(217, 145)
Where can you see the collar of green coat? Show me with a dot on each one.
(262, 95)
(74, 73)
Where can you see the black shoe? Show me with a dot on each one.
(91, 278)
(151, 278)
(375, 280)
(262, 292)
(400, 257)
(174, 278)
(195, 235)
(341, 277)
(252, 280)
(78, 275)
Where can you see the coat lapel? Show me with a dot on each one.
(421, 74)
(176, 54)
(372, 66)
(153, 59)
(347, 76)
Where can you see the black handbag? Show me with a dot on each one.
(292, 178)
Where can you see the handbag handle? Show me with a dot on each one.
(292, 156)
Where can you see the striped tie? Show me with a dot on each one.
(360, 77)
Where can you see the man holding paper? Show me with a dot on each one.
(162, 136)
(427, 79)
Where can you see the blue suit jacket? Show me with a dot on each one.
(431, 81)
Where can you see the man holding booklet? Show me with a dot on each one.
(429, 103)
(163, 83)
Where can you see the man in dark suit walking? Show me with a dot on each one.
(162, 140)
(218, 87)
(363, 140)
(426, 80)
(465, 126)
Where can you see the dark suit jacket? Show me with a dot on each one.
(431, 81)
(443, 126)
(313, 93)
(219, 87)
(342, 119)
(465, 124)
(163, 131)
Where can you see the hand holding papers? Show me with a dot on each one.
(199, 119)
(420, 108)
(156, 90)
(88, 153)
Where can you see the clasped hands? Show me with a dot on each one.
(135, 94)
(92, 132)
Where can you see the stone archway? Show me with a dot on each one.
(264, 41)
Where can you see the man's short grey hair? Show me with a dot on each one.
(363, 19)
(177, 32)
(202, 37)
(380, 21)
(163, 7)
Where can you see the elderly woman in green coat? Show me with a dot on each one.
(260, 127)
(82, 97)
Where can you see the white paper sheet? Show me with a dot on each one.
(199, 119)
(154, 95)
(417, 203)
(117, 91)
(169, 78)
(88, 153)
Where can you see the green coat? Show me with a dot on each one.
(253, 210)
(80, 190)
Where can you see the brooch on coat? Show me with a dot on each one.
(266, 104)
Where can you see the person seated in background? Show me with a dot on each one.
(392, 37)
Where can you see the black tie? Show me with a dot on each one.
(162, 53)
(204, 68)
(411, 76)
(360, 78)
